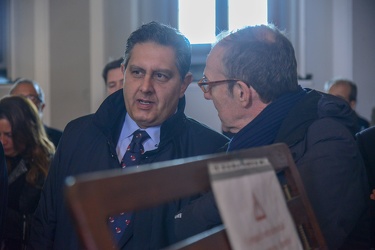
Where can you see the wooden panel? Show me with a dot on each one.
(91, 197)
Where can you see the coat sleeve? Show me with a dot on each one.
(44, 220)
(3, 191)
(335, 180)
(198, 216)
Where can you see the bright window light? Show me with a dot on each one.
(196, 20)
(244, 13)
(197, 17)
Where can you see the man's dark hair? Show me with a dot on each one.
(111, 65)
(164, 35)
(262, 57)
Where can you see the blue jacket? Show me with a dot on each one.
(89, 144)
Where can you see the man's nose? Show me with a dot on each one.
(147, 84)
(207, 95)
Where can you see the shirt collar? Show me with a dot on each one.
(130, 126)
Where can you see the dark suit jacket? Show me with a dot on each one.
(3, 190)
(366, 144)
(362, 123)
(89, 145)
(53, 134)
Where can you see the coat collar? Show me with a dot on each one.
(110, 117)
(315, 105)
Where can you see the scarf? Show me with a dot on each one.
(264, 128)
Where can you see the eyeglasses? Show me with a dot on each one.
(33, 98)
(205, 85)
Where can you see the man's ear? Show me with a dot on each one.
(185, 83)
(41, 107)
(244, 93)
(352, 104)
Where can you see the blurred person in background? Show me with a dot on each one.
(113, 76)
(28, 153)
(347, 90)
(31, 90)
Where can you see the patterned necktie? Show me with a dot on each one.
(131, 158)
(135, 149)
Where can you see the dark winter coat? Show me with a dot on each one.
(22, 201)
(318, 129)
(88, 145)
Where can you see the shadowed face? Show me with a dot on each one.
(115, 80)
(342, 91)
(153, 85)
(6, 138)
(27, 90)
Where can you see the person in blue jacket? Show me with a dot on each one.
(251, 77)
(156, 74)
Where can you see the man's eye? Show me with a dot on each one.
(137, 73)
(204, 80)
(161, 77)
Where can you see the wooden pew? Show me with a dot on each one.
(91, 197)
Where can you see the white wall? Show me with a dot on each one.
(79, 45)
(200, 108)
(70, 60)
(318, 47)
(4, 89)
(364, 55)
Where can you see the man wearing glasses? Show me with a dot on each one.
(31, 90)
(251, 77)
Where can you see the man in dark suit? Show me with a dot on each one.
(31, 90)
(156, 74)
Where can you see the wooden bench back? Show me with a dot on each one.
(91, 197)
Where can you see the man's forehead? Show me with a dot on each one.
(214, 62)
(153, 56)
(152, 49)
(115, 72)
(340, 90)
(24, 88)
